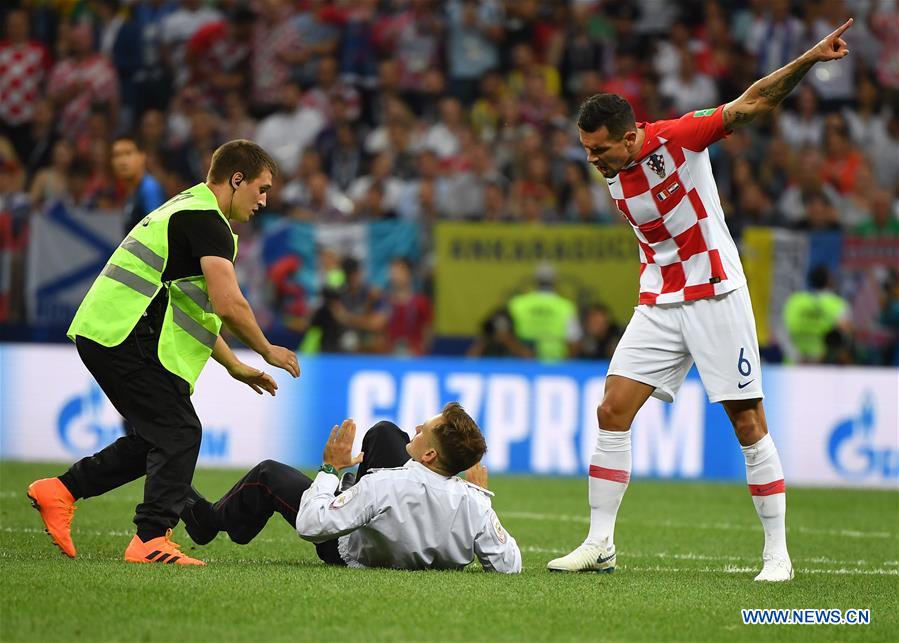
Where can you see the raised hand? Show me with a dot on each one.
(339, 447)
(832, 47)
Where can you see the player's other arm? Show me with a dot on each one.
(766, 94)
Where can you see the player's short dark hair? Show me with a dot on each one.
(819, 277)
(460, 442)
(242, 156)
(81, 169)
(350, 265)
(610, 110)
(130, 138)
(242, 15)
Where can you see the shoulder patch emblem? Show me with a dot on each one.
(699, 113)
(498, 530)
(345, 497)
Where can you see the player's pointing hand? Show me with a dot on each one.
(833, 47)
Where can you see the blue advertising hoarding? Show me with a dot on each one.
(833, 426)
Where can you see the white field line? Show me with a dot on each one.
(732, 569)
(663, 555)
(717, 526)
(727, 569)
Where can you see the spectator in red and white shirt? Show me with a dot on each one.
(276, 46)
(885, 25)
(412, 38)
(82, 81)
(329, 90)
(218, 55)
(693, 305)
(177, 29)
(23, 68)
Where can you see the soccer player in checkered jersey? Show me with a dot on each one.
(694, 303)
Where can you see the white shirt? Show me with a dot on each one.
(799, 131)
(408, 518)
(177, 28)
(698, 93)
(286, 135)
(393, 189)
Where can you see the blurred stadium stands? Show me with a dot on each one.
(434, 131)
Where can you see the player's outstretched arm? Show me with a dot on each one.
(766, 94)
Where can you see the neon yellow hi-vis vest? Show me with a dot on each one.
(132, 278)
(542, 318)
(809, 316)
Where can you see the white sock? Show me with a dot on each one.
(766, 484)
(610, 471)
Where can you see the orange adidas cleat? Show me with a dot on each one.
(158, 550)
(56, 506)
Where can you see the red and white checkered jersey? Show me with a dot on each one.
(94, 80)
(669, 197)
(22, 72)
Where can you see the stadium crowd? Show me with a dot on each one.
(460, 110)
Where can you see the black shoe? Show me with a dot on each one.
(347, 480)
(198, 516)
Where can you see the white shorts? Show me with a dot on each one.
(662, 341)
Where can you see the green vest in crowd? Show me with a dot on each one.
(809, 316)
(132, 278)
(542, 318)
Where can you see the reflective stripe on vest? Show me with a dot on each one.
(192, 328)
(197, 295)
(144, 253)
(128, 278)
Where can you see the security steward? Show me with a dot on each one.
(546, 320)
(145, 330)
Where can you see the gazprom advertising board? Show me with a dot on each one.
(833, 426)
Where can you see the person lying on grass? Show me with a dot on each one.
(406, 509)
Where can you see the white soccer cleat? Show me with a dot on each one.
(589, 557)
(776, 570)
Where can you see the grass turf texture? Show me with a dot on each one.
(687, 553)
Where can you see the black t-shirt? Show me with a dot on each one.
(192, 234)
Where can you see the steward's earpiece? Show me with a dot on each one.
(235, 181)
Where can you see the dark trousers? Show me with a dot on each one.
(163, 440)
(271, 487)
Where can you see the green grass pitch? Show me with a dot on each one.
(687, 553)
